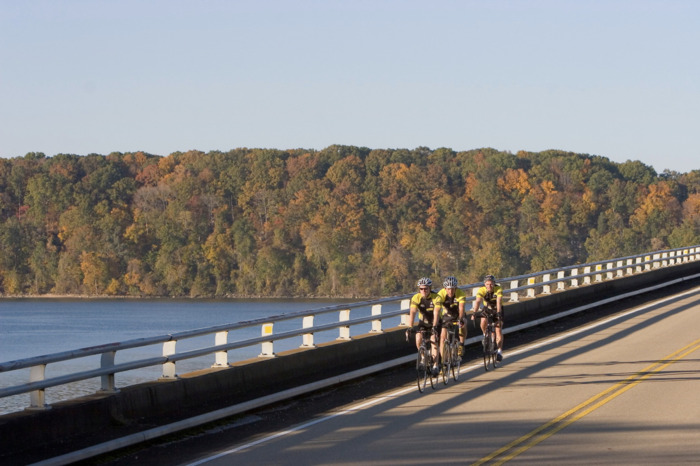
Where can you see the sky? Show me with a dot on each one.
(614, 78)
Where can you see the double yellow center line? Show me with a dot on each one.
(550, 428)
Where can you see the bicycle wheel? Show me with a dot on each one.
(456, 359)
(446, 362)
(422, 369)
(487, 350)
(493, 347)
(433, 378)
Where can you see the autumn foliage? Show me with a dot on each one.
(342, 221)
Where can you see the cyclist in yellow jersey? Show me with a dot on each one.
(427, 304)
(491, 295)
(453, 302)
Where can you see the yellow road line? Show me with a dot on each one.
(536, 436)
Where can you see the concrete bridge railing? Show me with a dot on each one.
(516, 289)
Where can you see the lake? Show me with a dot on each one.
(34, 327)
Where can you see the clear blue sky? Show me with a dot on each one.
(620, 79)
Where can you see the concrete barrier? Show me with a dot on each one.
(79, 423)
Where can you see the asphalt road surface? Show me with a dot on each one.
(618, 386)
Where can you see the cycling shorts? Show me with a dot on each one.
(424, 325)
(497, 316)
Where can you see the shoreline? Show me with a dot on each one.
(78, 297)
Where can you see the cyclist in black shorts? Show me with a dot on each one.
(491, 295)
(427, 305)
(453, 302)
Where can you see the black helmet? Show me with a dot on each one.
(489, 278)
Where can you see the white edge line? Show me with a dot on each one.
(296, 391)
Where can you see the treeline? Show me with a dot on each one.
(343, 221)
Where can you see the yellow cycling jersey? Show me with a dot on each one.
(490, 297)
(450, 305)
(426, 306)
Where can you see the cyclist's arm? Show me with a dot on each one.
(475, 308)
(499, 307)
(437, 310)
(412, 315)
(461, 312)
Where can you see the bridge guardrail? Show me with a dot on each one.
(520, 287)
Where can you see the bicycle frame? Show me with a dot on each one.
(451, 360)
(424, 362)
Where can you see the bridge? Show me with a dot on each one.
(241, 386)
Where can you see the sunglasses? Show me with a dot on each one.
(423, 289)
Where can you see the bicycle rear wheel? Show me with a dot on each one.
(422, 369)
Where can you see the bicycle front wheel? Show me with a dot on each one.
(446, 362)
(433, 378)
(493, 348)
(487, 351)
(456, 359)
(422, 370)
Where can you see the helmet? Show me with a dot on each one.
(490, 278)
(425, 281)
(450, 282)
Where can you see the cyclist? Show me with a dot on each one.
(426, 303)
(453, 302)
(491, 295)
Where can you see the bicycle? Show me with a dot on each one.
(489, 342)
(451, 360)
(424, 361)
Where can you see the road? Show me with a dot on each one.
(623, 389)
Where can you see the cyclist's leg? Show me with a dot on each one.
(443, 336)
(434, 350)
(499, 330)
(499, 337)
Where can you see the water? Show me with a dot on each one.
(35, 327)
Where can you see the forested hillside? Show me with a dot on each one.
(343, 221)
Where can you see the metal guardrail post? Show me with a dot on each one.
(587, 278)
(620, 272)
(531, 291)
(377, 324)
(37, 398)
(405, 306)
(169, 366)
(574, 281)
(307, 340)
(599, 276)
(561, 285)
(107, 381)
(220, 357)
(268, 350)
(546, 289)
(514, 298)
(344, 331)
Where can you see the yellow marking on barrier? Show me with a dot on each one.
(267, 329)
(555, 425)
